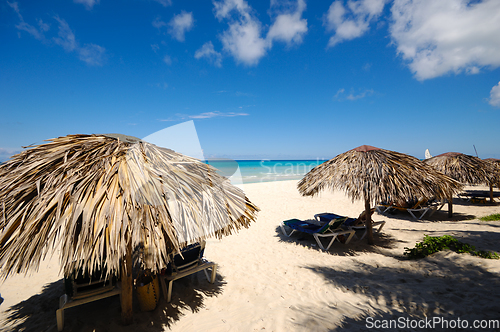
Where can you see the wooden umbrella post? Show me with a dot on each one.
(450, 206)
(127, 285)
(491, 192)
(368, 221)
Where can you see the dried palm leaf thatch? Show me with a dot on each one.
(463, 168)
(378, 174)
(495, 165)
(94, 195)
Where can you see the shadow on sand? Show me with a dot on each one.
(38, 313)
(443, 285)
(353, 248)
(441, 215)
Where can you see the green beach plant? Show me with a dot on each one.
(491, 217)
(433, 244)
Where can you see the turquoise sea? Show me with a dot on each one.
(252, 171)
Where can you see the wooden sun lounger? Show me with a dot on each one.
(422, 207)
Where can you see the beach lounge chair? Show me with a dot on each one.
(351, 223)
(477, 196)
(417, 210)
(82, 288)
(189, 261)
(330, 229)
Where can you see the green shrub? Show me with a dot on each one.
(491, 217)
(432, 244)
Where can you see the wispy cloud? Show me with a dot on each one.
(342, 95)
(167, 60)
(37, 33)
(206, 115)
(180, 24)
(215, 114)
(495, 96)
(360, 95)
(66, 37)
(243, 94)
(439, 37)
(89, 4)
(339, 93)
(164, 3)
(207, 51)
(92, 54)
(351, 20)
(162, 85)
(6, 153)
(158, 23)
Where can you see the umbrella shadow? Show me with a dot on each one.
(38, 313)
(481, 240)
(440, 285)
(441, 215)
(463, 202)
(353, 248)
(489, 241)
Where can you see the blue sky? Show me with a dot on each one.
(260, 79)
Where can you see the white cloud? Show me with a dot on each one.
(495, 95)
(180, 24)
(353, 20)
(242, 40)
(439, 37)
(87, 3)
(288, 27)
(167, 60)
(207, 51)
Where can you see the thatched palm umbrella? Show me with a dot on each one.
(98, 196)
(463, 168)
(376, 175)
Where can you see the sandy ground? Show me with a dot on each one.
(267, 281)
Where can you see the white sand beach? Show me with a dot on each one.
(267, 281)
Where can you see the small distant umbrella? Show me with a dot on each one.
(463, 168)
(98, 196)
(495, 164)
(374, 175)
